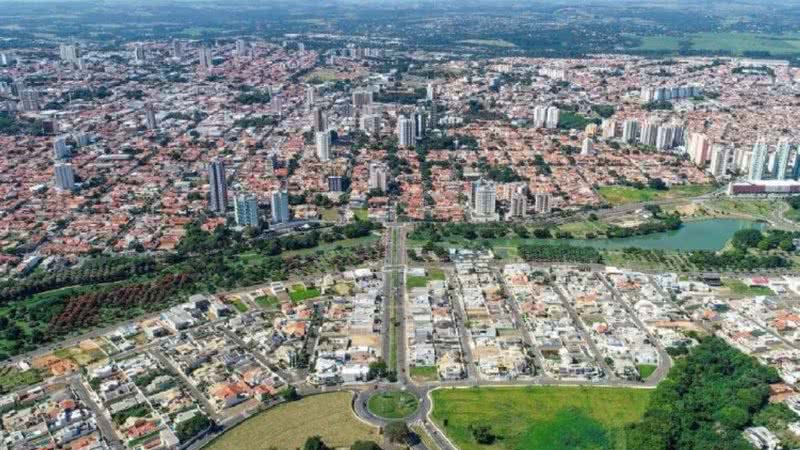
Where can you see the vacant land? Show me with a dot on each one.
(620, 195)
(424, 373)
(540, 418)
(287, 426)
(393, 404)
(738, 288)
(415, 282)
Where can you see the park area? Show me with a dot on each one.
(538, 417)
(287, 426)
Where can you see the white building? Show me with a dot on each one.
(65, 177)
(246, 208)
(323, 139)
(280, 206)
(405, 132)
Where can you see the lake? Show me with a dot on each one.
(710, 234)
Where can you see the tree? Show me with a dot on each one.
(744, 239)
(290, 394)
(396, 431)
(365, 445)
(482, 434)
(315, 443)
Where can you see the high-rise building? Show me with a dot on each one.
(335, 184)
(591, 130)
(150, 116)
(519, 205)
(69, 53)
(138, 54)
(630, 129)
(323, 139)
(276, 103)
(177, 49)
(484, 199)
(781, 162)
(665, 137)
(431, 92)
(699, 148)
(65, 177)
(217, 186)
(552, 117)
(311, 97)
(540, 116)
(320, 124)
(542, 202)
(405, 132)
(361, 97)
(245, 206)
(587, 148)
(719, 160)
(420, 123)
(60, 148)
(796, 166)
(206, 57)
(609, 127)
(29, 99)
(649, 134)
(241, 48)
(280, 206)
(377, 177)
(758, 162)
(370, 123)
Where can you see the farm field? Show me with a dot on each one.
(287, 426)
(540, 418)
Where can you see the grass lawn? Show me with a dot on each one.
(267, 301)
(739, 288)
(739, 207)
(330, 214)
(288, 426)
(239, 305)
(424, 373)
(392, 404)
(13, 378)
(302, 294)
(361, 214)
(579, 229)
(415, 282)
(645, 370)
(620, 195)
(540, 418)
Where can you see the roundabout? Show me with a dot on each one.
(392, 404)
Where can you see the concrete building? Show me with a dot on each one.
(484, 200)
(540, 116)
(206, 58)
(60, 148)
(217, 186)
(649, 134)
(320, 121)
(280, 206)
(630, 129)
(64, 177)
(420, 124)
(519, 205)
(335, 184)
(405, 132)
(781, 162)
(758, 161)
(699, 148)
(323, 139)
(246, 209)
(542, 202)
(377, 177)
(587, 148)
(361, 98)
(720, 154)
(552, 117)
(370, 123)
(150, 116)
(609, 128)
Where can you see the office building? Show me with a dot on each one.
(60, 148)
(217, 186)
(323, 139)
(377, 177)
(65, 177)
(630, 129)
(245, 206)
(405, 132)
(720, 154)
(781, 161)
(280, 207)
(335, 184)
(519, 205)
(552, 117)
(758, 161)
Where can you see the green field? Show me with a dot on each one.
(424, 373)
(239, 305)
(645, 370)
(733, 43)
(620, 195)
(540, 418)
(739, 288)
(288, 426)
(488, 42)
(12, 378)
(393, 404)
(267, 301)
(299, 293)
(415, 282)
